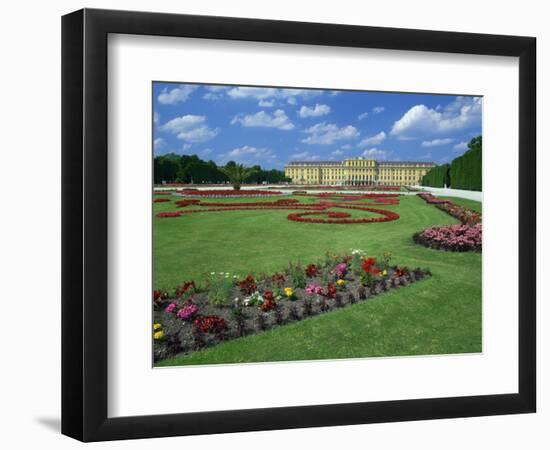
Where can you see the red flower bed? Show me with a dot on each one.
(187, 202)
(387, 217)
(429, 198)
(465, 215)
(227, 193)
(456, 238)
(168, 214)
(161, 200)
(370, 187)
(309, 209)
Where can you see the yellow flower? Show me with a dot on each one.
(341, 282)
(384, 272)
(158, 335)
(289, 292)
(157, 326)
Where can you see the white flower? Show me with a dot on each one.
(212, 273)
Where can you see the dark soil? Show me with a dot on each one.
(184, 336)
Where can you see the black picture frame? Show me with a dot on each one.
(84, 224)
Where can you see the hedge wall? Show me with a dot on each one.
(437, 177)
(465, 171)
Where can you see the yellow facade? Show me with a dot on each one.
(358, 171)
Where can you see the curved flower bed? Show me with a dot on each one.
(465, 215)
(309, 209)
(227, 306)
(341, 218)
(455, 238)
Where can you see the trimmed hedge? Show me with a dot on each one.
(437, 177)
(466, 171)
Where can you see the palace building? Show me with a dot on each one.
(358, 171)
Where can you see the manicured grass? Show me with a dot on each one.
(438, 315)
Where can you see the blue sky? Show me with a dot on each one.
(271, 126)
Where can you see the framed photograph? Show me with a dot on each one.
(273, 224)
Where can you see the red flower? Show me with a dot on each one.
(183, 288)
(248, 285)
(268, 295)
(367, 264)
(278, 278)
(331, 290)
(400, 271)
(311, 270)
(210, 324)
(268, 304)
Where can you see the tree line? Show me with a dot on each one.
(173, 168)
(464, 172)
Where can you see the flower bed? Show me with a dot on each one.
(226, 193)
(455, 238)
(465, 215)
(161, 200)
(369, 187)
(309, 209)
(429, 198)
(229, 306)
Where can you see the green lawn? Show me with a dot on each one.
(438, 315)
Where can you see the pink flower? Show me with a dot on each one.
(341, 269)
(188, 312)
(313, 289)
(171, 308)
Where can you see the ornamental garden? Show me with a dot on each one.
(272, 274)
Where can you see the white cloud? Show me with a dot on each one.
(373, 140)
(460, 146)
(463, 112)
(211, 96)
(316, 111)
(363, 115)
(190, 128)
(214, 92)
(260, 93)
(200, 134)
(250, 155)
(266, 103)
(327, 133)
(186, 147)
(291, 100)
(378, 109)
(375, 153)
(179, 124)
(338, 152)
(305, 156)
(436, 142)
(346, 147)
(206, 151)
(156, 117)
(262, 119)
(159, 143)
(176, 95)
